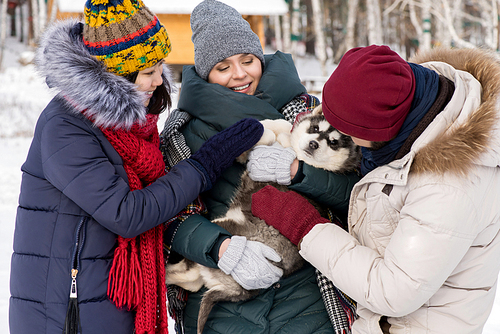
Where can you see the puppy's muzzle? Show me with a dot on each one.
(313, 145)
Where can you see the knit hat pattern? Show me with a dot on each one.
(369, 94)
(219, 32)
(125, 35)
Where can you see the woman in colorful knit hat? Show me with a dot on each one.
(95, 201)
(233, 79)
(424, 221)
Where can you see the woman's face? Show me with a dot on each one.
(148, 79)
(358, 141)
(240, 73)
(361, 142)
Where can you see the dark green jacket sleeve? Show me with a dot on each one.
(327, 188)
(198, 239)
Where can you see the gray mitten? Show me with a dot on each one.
(271, 163)
(247, 262)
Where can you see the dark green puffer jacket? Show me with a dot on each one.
(294, 304)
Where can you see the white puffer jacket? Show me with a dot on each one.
(424, 242)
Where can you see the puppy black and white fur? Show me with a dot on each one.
(315, 142)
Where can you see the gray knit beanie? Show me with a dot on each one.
(219, 32)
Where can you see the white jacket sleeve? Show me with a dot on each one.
(435, 230)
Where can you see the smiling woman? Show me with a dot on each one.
(240, 73)
(155, 82)
(232, 79)
(149, 79)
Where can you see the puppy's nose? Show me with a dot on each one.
(313, 145)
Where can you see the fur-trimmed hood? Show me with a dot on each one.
(475, 138)
(110, 100)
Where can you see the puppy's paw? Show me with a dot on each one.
(277, 125)
(285, 139)
(268, 137)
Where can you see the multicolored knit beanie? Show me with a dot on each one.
(124, 34)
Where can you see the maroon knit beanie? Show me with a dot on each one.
(369, 94)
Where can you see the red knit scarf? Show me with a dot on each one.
(137, 276)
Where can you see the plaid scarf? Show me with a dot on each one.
(341, 309)
(174, 149)
(137, 276)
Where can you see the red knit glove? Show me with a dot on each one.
(288, 212)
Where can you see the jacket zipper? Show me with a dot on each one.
(80, 238)
(72, 321)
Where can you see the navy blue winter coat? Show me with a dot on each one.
(74, 187)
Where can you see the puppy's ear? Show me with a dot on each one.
(318, 110)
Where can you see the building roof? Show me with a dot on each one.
(253, 7)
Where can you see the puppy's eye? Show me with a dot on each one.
(334, 143)
(315, 129)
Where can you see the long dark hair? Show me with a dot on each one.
(161, 99)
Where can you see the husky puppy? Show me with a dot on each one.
(315, 142)
(319, 144)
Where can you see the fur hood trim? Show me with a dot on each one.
(476, 141)
(111, 101)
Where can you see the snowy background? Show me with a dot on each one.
(23, 95)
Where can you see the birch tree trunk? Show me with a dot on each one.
(287, 47)
(351, 24)
(320, 45)
(3, 33)
(278, 38)
(456, 10)
(21, 21)
(416, 23)
(295, 26)
(497, 3)
(426, 42)
(53, 11)
(42, 10)
(35, 20)
(374, 22)
(494, 19)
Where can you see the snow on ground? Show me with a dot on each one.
(22, 97)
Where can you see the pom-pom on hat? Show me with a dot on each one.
(219, 32)
(369, 94)
(124, 34)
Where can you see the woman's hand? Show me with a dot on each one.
(248, 262)
(288, 212)
(220, 151)
(223, 247)
(294, 167)
(272, 164)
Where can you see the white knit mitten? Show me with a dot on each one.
(247, 262)
(270, 163)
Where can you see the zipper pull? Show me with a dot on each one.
(72, 321)
(72, 292)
